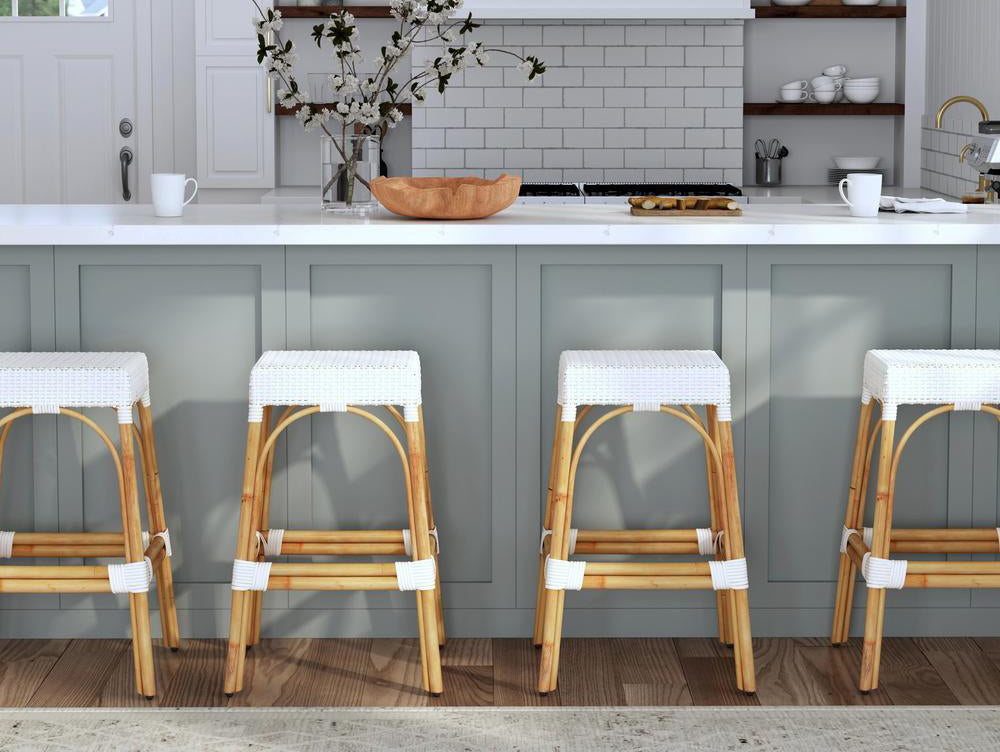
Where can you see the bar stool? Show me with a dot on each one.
(643, 381)
(307, 383)
(963, 380)
(54, 383)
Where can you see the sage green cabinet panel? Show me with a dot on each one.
(455, 307)
(202, 316)
(639, 471)
(812, 315)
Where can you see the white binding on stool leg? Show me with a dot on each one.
(166, 541)
(272, 542)
(847, 533)
(707, 544)
(131, 578)
(408, 545)
(250, 575)
(6, 544)
(573, 533)
(883, 573)
(416, 575)
(564, 575)
(729, 575)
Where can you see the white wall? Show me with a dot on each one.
(961, 38)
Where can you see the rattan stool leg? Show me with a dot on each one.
(547, 543)
(158, 524)
(261, 523)
(552, 620)
(855, 507)
(742, 642)
(142, 640)
(438, 601)
(875, 613)
(422, 550)
(717, 511)
(236, 651)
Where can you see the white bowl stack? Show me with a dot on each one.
(862, 90)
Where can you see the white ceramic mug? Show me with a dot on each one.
(835, 71)
(168, 193)
(795, 86)
(794, 95)
(825, 96)
(865, 191)
(826, 83)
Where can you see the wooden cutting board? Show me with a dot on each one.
(678, 213)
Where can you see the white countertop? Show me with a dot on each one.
(253, 224)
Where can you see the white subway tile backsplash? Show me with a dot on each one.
(621, 100)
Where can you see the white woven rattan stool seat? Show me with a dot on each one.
(643, 378)
(46, 382)
(966, 378)
(334, 379)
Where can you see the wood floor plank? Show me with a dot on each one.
(908, 677)
(274, 668)
(466, 686)
(24, 664)
(837, 670)
(649, 671)
(712, 681)
(330, 674)
(965, 669)
(393, 675)
(120, 690)
(587, 674)
(468, 651)
(701, 647)
(78, 677)
(515, 675)
(198, 681)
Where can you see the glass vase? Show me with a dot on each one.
(346, 172)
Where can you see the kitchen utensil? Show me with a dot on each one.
(865, 190)
(168, 193)
(446, 198)
(857, 163)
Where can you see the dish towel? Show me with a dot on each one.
(922, 205)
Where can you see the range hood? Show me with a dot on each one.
(564, 9)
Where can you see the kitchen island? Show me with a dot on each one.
(790, 296)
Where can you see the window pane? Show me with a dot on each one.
(86, 7)
(4, 7)
(38, 7)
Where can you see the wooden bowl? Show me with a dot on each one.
(446, 198)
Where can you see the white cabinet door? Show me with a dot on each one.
(235, 126)
(224, 26)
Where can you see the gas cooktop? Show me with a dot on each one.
(613, 193)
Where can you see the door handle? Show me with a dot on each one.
(126, 156)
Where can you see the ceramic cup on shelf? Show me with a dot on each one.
(794, 95)
(168, 193)
(864, 193)
(835, 71)
(795, 86)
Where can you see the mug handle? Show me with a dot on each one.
(190, 180)
(842, 194)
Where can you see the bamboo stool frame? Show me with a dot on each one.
(886, 539)
(126, 544)
(245, 618)
(732, 605)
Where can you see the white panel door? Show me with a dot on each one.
(68, 82)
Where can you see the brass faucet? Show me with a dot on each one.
(955, 100)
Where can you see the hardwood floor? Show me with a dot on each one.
(500, 672)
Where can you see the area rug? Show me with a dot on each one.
(883, 729)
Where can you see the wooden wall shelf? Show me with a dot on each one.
(832, 11)
(324, 11)
(780, 108)
(282, 111)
